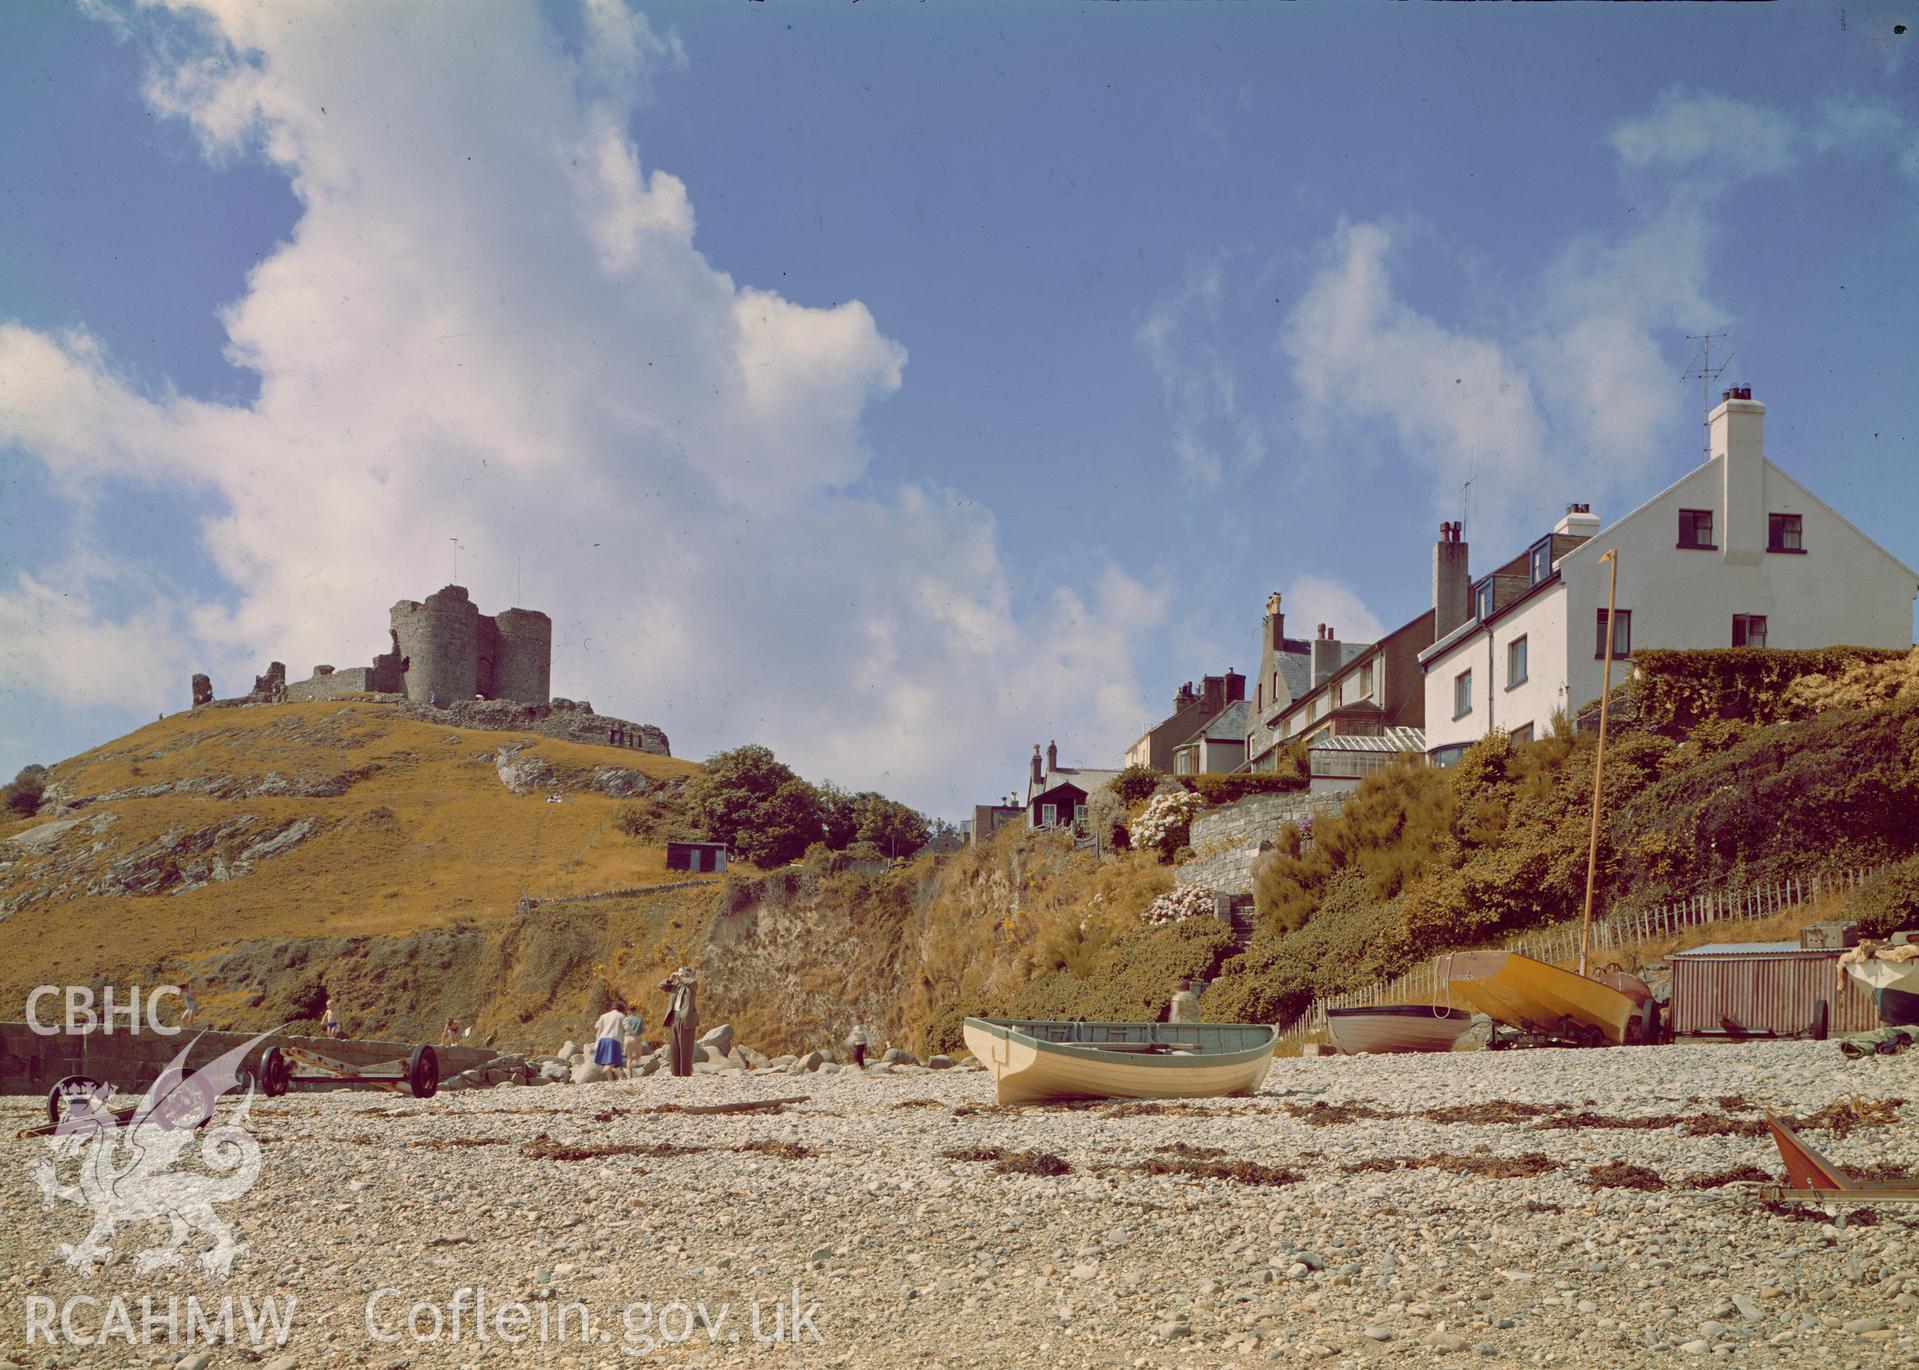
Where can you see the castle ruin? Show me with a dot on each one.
(443, 650)
(447, 660)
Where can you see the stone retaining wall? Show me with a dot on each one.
(31, 1063)
(1228, 839)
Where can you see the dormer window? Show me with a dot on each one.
(1695, 529)
(1483, 600)
(1539, 563)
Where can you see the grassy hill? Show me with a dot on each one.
(409, 851)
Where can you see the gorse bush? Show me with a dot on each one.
(1889, 902)
(1675, 691)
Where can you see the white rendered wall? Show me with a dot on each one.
(1843, 591)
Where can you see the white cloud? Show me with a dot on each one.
(1718, 139)
(491, 322)
(1212, 436)
(1714, 133)
(1314, 599)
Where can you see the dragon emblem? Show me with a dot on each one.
(132, 1164)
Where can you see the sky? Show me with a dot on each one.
(897, 385)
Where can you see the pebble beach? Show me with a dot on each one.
(1519, 1208)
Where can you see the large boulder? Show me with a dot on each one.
(719, 1038)
(939, 1062)
(586, 1073)
(804, 1064)
(553, 1070)
(897, 1056)
(754, 1059)
(645, 1066)
(568, 1051)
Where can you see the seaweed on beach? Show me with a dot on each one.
(544, 1148)
(1492, 1111)
(1006, 1162)
(1539, 1206)
(1480, 1164)
(917, 1103)
(1842, 1116)
(1239, 1172)
(1330, 1115)
(1619, 1175)
(766, 1106)
(1739, 1174)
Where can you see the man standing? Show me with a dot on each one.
(1184, 1007)
(682, 1018)
(856, 1039)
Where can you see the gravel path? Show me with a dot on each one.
(1495, 1250)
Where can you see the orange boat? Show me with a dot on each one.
(1520, 992)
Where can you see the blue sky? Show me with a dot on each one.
(896, 385)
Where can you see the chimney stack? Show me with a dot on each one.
(1183, 699)
(1275, 624)
(1736, 435)
(1235, 686)
(1325, 656)
(1052, 757)
(1212, 695)
(1038, 775)
(1452, 581)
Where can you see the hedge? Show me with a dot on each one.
(1674, 690)
(1227, 789)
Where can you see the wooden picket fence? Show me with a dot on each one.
(1559, 944)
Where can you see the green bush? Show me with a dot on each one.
(23, 796)
(1228, 789)
(1352, 940)
(1675, 691)
(1136, 784)
(1128, 981)
(1889, 902)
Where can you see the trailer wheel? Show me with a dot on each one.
(61, 1096)
(1649, 1023)
(276, 1076)
(423, 1072)
(1590, 1036)
(1821, 1020)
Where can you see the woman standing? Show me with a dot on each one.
(610, 1029)
(856, 1039)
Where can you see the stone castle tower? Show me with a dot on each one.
(449, 650)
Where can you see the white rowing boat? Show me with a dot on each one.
(1033, 1059)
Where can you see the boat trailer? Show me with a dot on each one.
(417, 1074)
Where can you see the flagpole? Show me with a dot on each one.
(1599, 759)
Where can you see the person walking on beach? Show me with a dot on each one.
(631, 1039)
(330, 1021)
(189, 1006)
(610, 1050)
(856, 1039)
(450, 1034)
(1184, 1005)
(682, 1018)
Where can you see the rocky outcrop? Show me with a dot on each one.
(79, 860)
(521, 771)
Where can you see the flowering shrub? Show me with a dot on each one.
(1167, 821)
(1176, 906)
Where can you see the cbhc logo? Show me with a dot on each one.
(81, 1017)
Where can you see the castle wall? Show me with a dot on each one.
(523, 668)
(439, 640)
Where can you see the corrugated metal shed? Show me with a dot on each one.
(1765, 987)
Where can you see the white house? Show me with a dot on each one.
(1736, 553)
